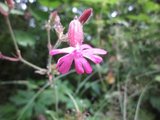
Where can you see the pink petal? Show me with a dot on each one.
(63, 50)
(95, 51)
(99, 51)
(75, 33)
(87, 67)
(78, 66)
(64, 63)
(84, 46)
(95, 58)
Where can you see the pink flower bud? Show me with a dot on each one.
(10, 3)
(53, 17)
(75, 33)
(3, 12)
(85, 15)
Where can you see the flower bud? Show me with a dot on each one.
(10, 4)
(85, 15)
(54, 17)
(55, 21)
(75, 33)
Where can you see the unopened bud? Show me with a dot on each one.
(10, 4)
(54, 18)
(53, 15)
(55, 21)
(75, 33)
(86, 15)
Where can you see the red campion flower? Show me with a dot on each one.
(77, 51)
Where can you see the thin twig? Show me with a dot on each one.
(12, 35)
(18, 82)
(42, 70)
(4, 57)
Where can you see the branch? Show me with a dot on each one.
(8, 58)
(20, 58)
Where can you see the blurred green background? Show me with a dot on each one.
(126, 86)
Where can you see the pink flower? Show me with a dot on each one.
(78, 55)
(77, 52)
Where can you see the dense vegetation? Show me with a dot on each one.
(126, 86)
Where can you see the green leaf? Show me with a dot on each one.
(151, 6)
(7, 112)
(93, 1)
(24, 38)
(28, 112)
(140, 17)
(112, 2)
(39, 108)
(146, 115)
(155, 101)
(47, 95)
(82, 104)
(157, 78)
(102, 1)
(22, 97)
(49, 3)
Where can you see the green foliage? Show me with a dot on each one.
(157, 78)
(37, 14)
(8, 112)
(155, 102)
(24, 38)
(49, 3)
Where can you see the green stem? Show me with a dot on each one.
(18, 82)
(42, 70)
(125, 102)
(12, 35)
(140, 99)
(50, 47)
(74, 102)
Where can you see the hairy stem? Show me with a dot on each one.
(50, 47)
(12, 35)
(33, 66)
